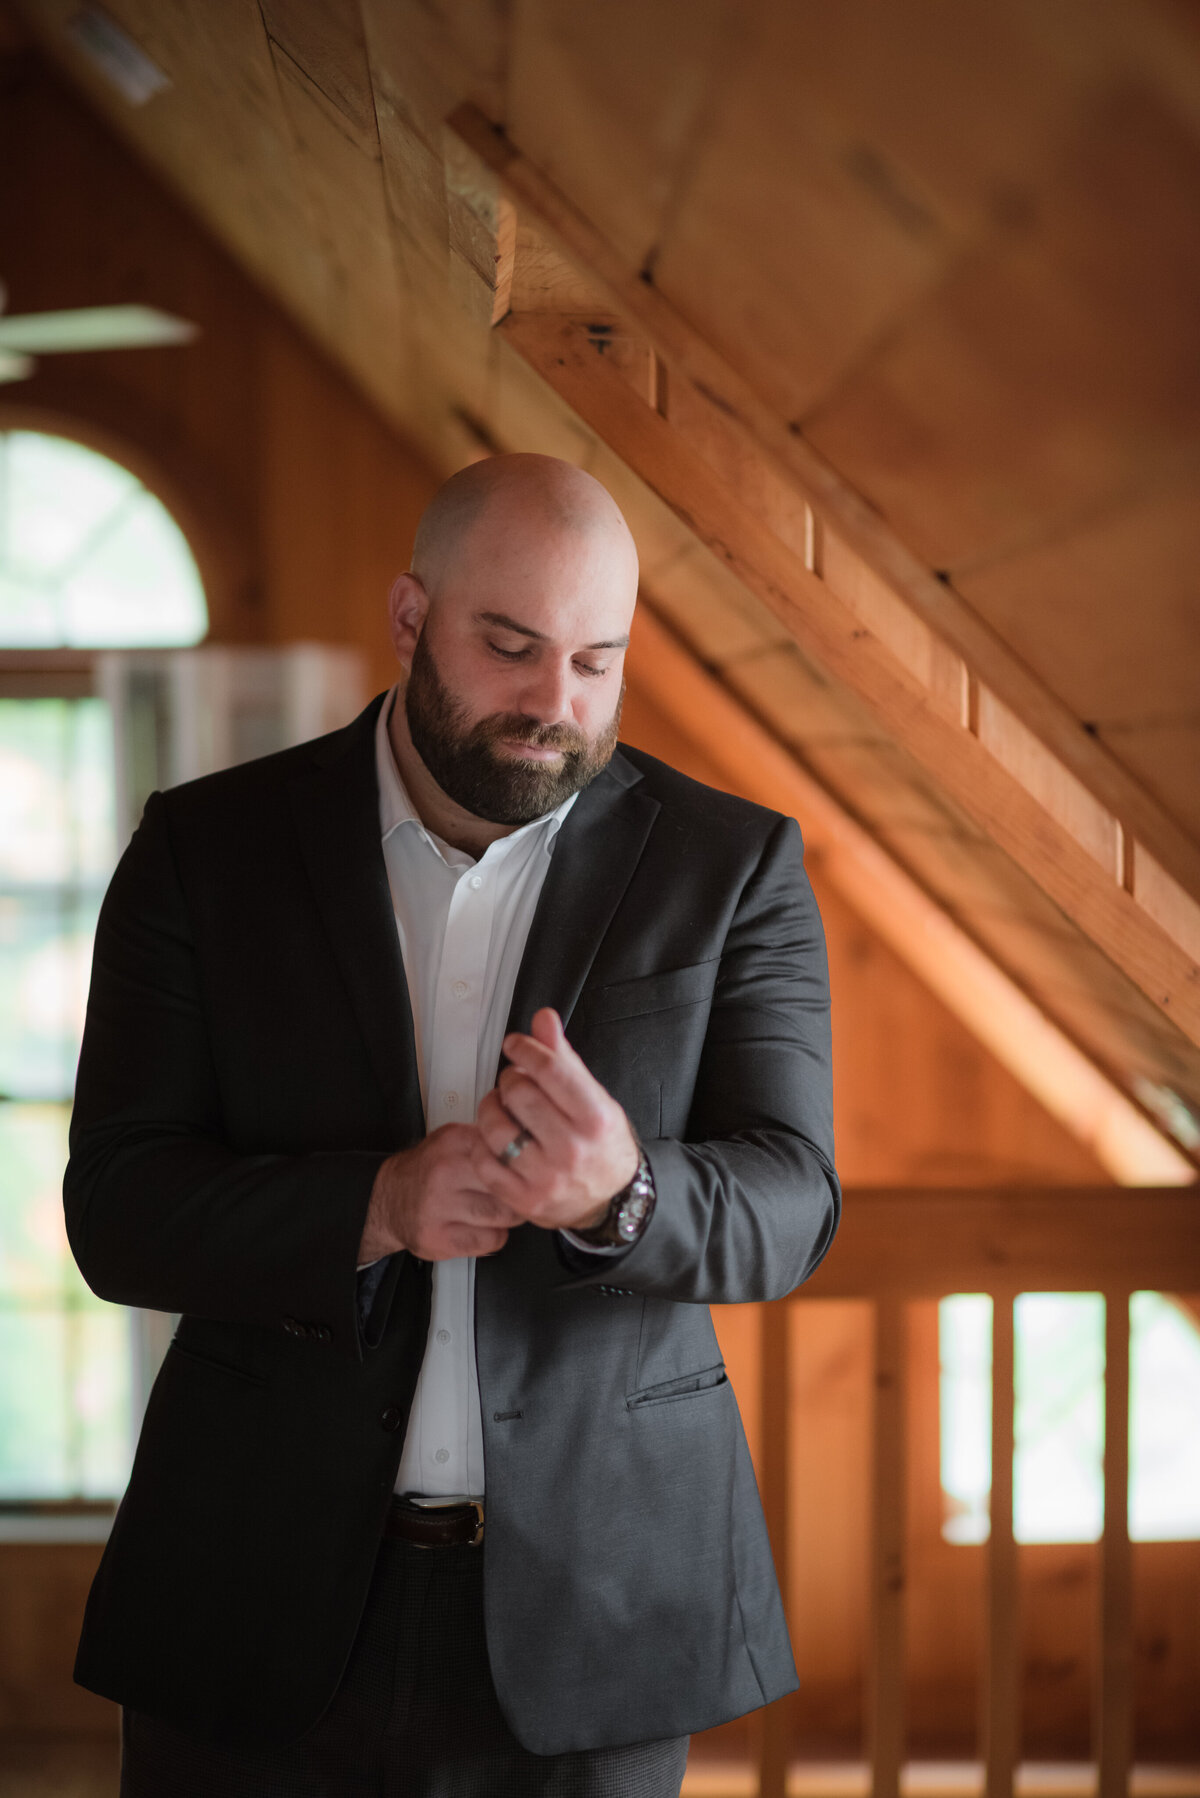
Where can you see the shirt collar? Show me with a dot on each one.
(396, 808)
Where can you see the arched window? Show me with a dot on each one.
(89, 559)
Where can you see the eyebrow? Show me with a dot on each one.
(503, 622)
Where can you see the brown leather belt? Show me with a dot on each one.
(435, 1526)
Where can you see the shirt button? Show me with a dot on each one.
(450, 1100)
(476, 881)
(442, 1456)
(460, 989)
(443, 1335)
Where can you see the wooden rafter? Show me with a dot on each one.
(1012, 756)
(985, 788)
(939, 951)
(740, 407)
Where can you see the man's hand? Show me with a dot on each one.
(429, 1201)
(581, 1148)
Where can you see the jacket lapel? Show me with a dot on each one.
(595, 854)
(336, 808)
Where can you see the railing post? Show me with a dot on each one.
(774, 1459)
(1114, 1686)
(1001, 1687)
(885, 1685)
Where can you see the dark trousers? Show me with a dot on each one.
(416, 1716)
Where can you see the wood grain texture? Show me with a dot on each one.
(910, 1244)
(885, 1664)
(961, 765)
(736, 399)
(1114, 1683)
(1001, 1732)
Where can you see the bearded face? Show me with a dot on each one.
(468, 765)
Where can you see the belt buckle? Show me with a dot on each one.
(477, 1506)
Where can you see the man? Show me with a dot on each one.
(442, 1488)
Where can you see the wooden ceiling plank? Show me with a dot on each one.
(1065, 607)
(324, 38)
(1055, 372)
(345, 185)
(690, 358)
(903, 915)
(966, 771)
(1165, 754)
(613, 99)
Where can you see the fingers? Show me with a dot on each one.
(517, 1103)
(557, 1070)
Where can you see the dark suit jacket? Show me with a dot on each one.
(249, 1061)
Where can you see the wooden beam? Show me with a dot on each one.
(985, 788)
(925, 938)
(736, 405)
(885, 1666)
(1002, 1669)
(917, 1243)
(1114, 1685)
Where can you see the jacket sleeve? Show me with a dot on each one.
(160, 1212)
(748, 1202)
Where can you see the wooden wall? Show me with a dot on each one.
(300, 503)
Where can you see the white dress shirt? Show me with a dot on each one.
(462, 926)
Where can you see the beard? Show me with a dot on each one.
(464, 761)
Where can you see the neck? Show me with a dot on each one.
(435, 808)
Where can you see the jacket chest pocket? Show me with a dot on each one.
(642, 1039)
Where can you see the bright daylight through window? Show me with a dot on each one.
(1058, 1468)
(88, 558)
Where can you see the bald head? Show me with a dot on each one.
(512, 505)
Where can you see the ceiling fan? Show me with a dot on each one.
(85, 328)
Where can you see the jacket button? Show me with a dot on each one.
(392, 1418)
(324, 1333)
(291, 1326)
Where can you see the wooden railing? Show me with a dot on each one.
(896, 1246)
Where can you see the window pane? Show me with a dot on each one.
(965, 1354)
(88, 555)
(65, 1359)
(1164, 1447)
(138, 584)
(57, 850)
(1058, 1471)
(57, 495)
(35, 1424)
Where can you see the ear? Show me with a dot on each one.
(408, 607)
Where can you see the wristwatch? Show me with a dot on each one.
(628, 1212)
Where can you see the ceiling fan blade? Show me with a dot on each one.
(94, 328)
(14, 367)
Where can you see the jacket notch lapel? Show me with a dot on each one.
(336, 809)
(595, 854)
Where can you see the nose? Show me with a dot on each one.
(546, 695)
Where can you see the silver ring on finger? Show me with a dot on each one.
(510, 1151)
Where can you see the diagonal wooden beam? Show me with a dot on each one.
(939, 951)
(985, 789)
(737, 406)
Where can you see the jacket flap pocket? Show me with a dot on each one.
(692, 985)
(683, 1386)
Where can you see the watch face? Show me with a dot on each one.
(630, 1216)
